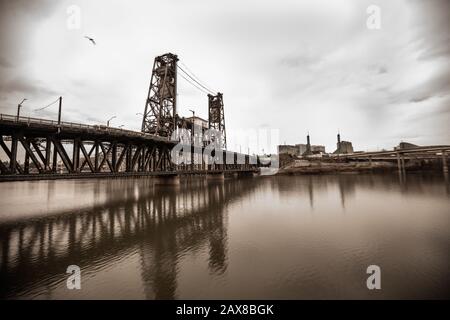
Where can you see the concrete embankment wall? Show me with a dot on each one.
(320, 166)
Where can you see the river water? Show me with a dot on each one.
(286, 237)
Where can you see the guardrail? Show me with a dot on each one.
(73, 125)
(416, 150)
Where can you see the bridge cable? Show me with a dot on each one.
(193, 84)
(186, 73)
(39, 109)
(197, 78)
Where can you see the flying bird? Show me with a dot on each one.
(91, 40)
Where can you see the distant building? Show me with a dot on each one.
(197, 121)
(308, 149)
(343, 147)
(199, 126)
(288, 149)
(301, 147)
(315, 149)
(405, 145)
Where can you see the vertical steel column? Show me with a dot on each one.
(26, 165)
(76, 155)
(13, 158)
(128, 158)
(55, 158)
(48, 145)
(114, 157)
(97, 169)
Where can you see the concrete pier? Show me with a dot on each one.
(399, 163)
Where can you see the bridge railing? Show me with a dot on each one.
(74, 125)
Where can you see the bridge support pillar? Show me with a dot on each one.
(26, 164)
(13, 157)
(48, 145)
(403, 164)
(399, 163)
(170, 180)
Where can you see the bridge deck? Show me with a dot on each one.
(10, 124)
(66, 150)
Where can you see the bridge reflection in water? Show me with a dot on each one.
(162, 222)
(282, 237)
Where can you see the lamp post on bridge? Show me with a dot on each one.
(59, 110)
(107, 122)
(18, 108)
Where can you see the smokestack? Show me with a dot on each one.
(339, 138)
(308, 145)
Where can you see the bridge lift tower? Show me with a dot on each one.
(161, 105)
(216, 117)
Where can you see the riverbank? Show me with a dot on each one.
(316, 166)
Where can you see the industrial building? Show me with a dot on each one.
(288, 149)
(301, 149)
(343, 147)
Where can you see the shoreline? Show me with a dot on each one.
(312, 167)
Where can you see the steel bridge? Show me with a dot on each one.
(46, 149)
(402, 156)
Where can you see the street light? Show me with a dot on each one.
(18, 108)
(107, 122)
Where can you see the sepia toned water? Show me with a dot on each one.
(289, 237)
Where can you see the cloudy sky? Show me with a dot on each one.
(291, 65)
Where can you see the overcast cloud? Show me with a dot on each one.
(292, 65)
